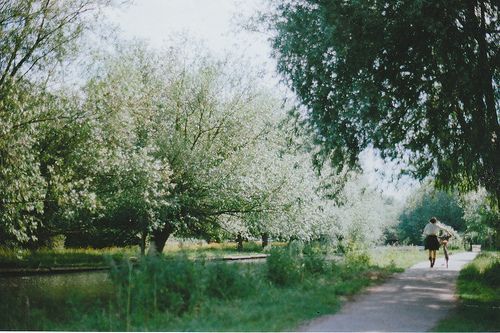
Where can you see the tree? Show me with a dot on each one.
(425, 203)
(481, 220)
(132, 179)
(200, 117)
(36, 37)
(66, 162)
(417, 80)
(39, 34)
(365, 213)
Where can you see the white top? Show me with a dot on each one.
(432, 229)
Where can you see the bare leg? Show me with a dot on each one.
(446, 257)
(433, 255)
(430, 257)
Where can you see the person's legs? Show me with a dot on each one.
(433, 255)
(445, 251)
(430, 256)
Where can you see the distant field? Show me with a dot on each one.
(400, 256)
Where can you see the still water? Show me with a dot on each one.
(26, 301)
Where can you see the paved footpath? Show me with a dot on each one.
(413, 301)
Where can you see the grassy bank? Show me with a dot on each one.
(296, 284)
(202, 249)
(478, 288)
(43, 258)
(21, 259)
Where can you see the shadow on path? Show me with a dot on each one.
(413, 301)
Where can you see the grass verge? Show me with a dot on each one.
(478, 289)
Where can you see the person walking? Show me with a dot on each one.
(431, 241)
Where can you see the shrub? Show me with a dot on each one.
(226, 281)
(356, 256)
(284, 265)
(289, 265)
(314, 259)
(159, 284)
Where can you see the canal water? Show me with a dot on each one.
(38, 302)
(24, 300)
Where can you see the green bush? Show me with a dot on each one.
(314, 259)
(159, 284)
(357, 256)
(291, 264)
(284, 265)
(226, 281)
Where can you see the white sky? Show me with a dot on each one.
(216, 22)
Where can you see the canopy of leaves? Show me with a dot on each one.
(416, 79)
(35, 37)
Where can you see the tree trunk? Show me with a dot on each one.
(497, 240)
(159, 238)
(265, 239)
(239, 240)
(144, 235)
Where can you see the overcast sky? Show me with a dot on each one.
(218, 24)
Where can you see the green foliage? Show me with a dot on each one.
(227, 281)
(415, 79)
(482, 220)
(36, 37)
(357, 258)
(424, 204)
(292, 264)
(284, 266)
(156, 284)
(314, 259)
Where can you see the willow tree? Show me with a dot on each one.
(418, 80)
(36, 36)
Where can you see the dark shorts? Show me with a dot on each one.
(431, 243)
